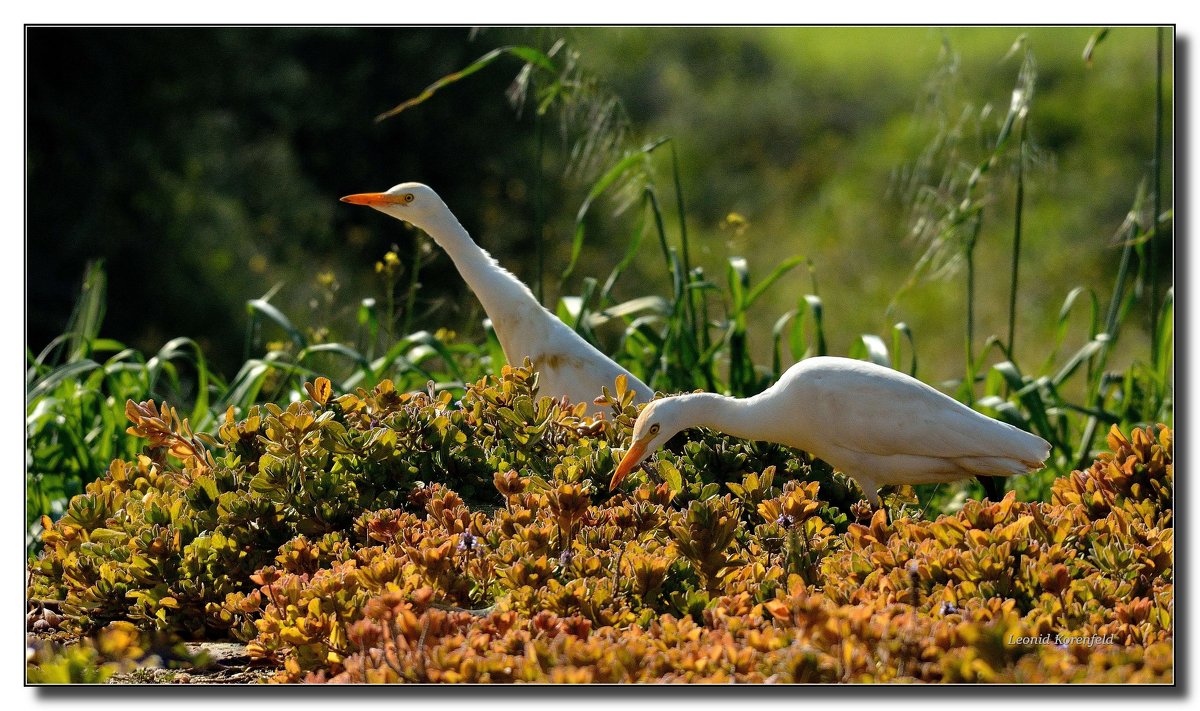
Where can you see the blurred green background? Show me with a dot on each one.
(204, 166)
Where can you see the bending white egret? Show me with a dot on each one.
(567, 365)
(874, 424)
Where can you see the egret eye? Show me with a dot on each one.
(654, 428)
(408, 197)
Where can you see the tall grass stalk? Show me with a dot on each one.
(1132, 234)
(680, 350)
(1018, 210)
(1156, 176)
(84, 325)
(1097, 391)
(968, 389)
(684, 242)
(539, 208)
(414, 282)
(948, 213)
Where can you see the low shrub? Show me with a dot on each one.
(387, 536)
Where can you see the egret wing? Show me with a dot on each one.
(880, 411)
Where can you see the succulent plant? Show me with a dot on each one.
(384, 536)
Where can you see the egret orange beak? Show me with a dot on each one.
(373, 199)
(637, 451)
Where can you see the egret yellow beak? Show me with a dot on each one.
(637, 451)
(373, 199)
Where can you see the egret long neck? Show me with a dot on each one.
(504, 297)
(732, 416)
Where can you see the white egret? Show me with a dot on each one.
(872, 423)
(567, 364)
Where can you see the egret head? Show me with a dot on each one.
(658, 422)
(412, 202)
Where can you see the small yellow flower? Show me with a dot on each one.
(390, 264)
(735, 221)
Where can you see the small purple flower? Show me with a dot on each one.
(466, 542)
(948, 608)
(566, 557)
(785, 521)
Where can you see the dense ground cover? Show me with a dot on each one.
(333, 539)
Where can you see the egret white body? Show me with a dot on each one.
(568, 366)
(876, 425)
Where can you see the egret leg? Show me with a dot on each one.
(870, 493)
(993, 487)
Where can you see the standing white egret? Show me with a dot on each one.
(567, 365)
(874, 424)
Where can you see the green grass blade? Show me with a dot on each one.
(1005, 411)
(404, 357)
(529, 55)
(368, 316)
(737, 274)
(779, 271)
(631, 251)
(898, 330)
(695, 328)
(245, 386)
(106, 345)
(627, 163)
(70, 371)
(1064, 320)
(1084, 355)
(871, 347)
(1164, 354)
(628, 309)
(338, 349)
(802, 344)
(262, 306)
(84, 324)
(47, 353)
(777, 332)
(741, 370)
(427, 339)
(189, 350)
(1027, 393)
(579, 325)
(1093, 42)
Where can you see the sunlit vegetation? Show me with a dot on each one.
(373, 495)
(317, 535)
